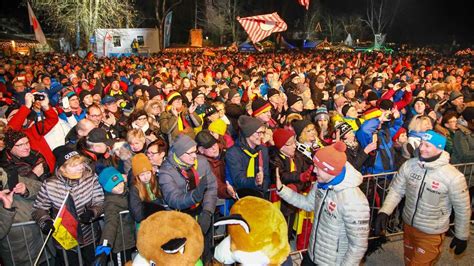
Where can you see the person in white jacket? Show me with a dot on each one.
(432, 188)
(340, 231)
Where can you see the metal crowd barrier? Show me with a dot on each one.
(375, 188)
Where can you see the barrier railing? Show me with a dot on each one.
(375, 188)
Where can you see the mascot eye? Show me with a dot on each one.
(174, 246)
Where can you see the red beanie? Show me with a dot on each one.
(331, 159)
(281, 136)
(399, 132)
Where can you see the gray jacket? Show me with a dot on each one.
(431, 190)
(340, 231)
(174, 187)
(15, 236)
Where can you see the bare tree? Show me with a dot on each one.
(312, 17)
(82, 17)
(162, 8)
(333, 27)
(219, 17)
(380, 15)
(353, 25)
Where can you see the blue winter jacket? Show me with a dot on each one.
(236, 166)
(385, 153)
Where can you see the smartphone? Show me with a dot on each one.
(65, 103)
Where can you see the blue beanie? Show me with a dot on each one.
(109, 178)
(434, 138)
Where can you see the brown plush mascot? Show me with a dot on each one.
(169, 238)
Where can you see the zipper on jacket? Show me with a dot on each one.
(420, 193)
(319, 219)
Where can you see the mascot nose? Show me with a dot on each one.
(174, 246)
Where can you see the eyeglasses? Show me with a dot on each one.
(260, 132)
(191, 153)
(96, 116)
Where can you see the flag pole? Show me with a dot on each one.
(50, 231)
(42, 248)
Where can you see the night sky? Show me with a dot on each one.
(417, 21)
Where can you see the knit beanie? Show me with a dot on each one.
(331, 159)
(196, 92)
(399, 132)
(434, 138)
(173, 96)
(11, 137)
(218, 126)
(272, 92)
(386, 104)
(349, 87)
(339, 88)
(83, 95)
(299, 126)
(292, 99)
(110, 178)
(343, 128)
(232, 93)
(346, 108)
(281, 136)
(260, 106)
(182, 144)
(140, 164)
(454, 95)
(205, 139)
(63, 153)
(249, 125)
(321, 112)
(419, 99)
(372, 96)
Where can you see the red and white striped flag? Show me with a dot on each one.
(261, 26)
(304, 3)
(36, 26)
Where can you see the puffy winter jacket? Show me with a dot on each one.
(339, 235)
(86, 193)
(431, 190)
(174, 186)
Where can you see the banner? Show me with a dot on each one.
(67, 230)
(39, 35)
(167, 29)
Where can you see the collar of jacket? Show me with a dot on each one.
(335, 181)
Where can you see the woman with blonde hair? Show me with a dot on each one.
(145, 193)
(153, 109)
(418, 125)
(74, 177)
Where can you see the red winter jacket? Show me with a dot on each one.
(406, 99)
(37, 141)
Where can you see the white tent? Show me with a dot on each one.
(117, 42)
(349, 40)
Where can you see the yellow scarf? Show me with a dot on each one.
(251, 166)
(180, 124)
(292, 162)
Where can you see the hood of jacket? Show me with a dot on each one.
(353, 178)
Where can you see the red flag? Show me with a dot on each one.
(67, 230)
(261, 26)
(304, 3)
(36, 26)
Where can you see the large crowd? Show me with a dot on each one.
(182, 131)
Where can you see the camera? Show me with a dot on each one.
(39, 97)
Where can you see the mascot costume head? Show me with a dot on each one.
(258, 234)
(169, 238)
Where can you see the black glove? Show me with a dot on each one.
(204, 220)
(380, 223)
(460, 245)
(86, 217)
(150, 208)
(47, 226)
(198, 192)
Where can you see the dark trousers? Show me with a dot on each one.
(306, 260)
(72, 256)
(125, 256)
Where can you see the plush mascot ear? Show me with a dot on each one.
(234, 219)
